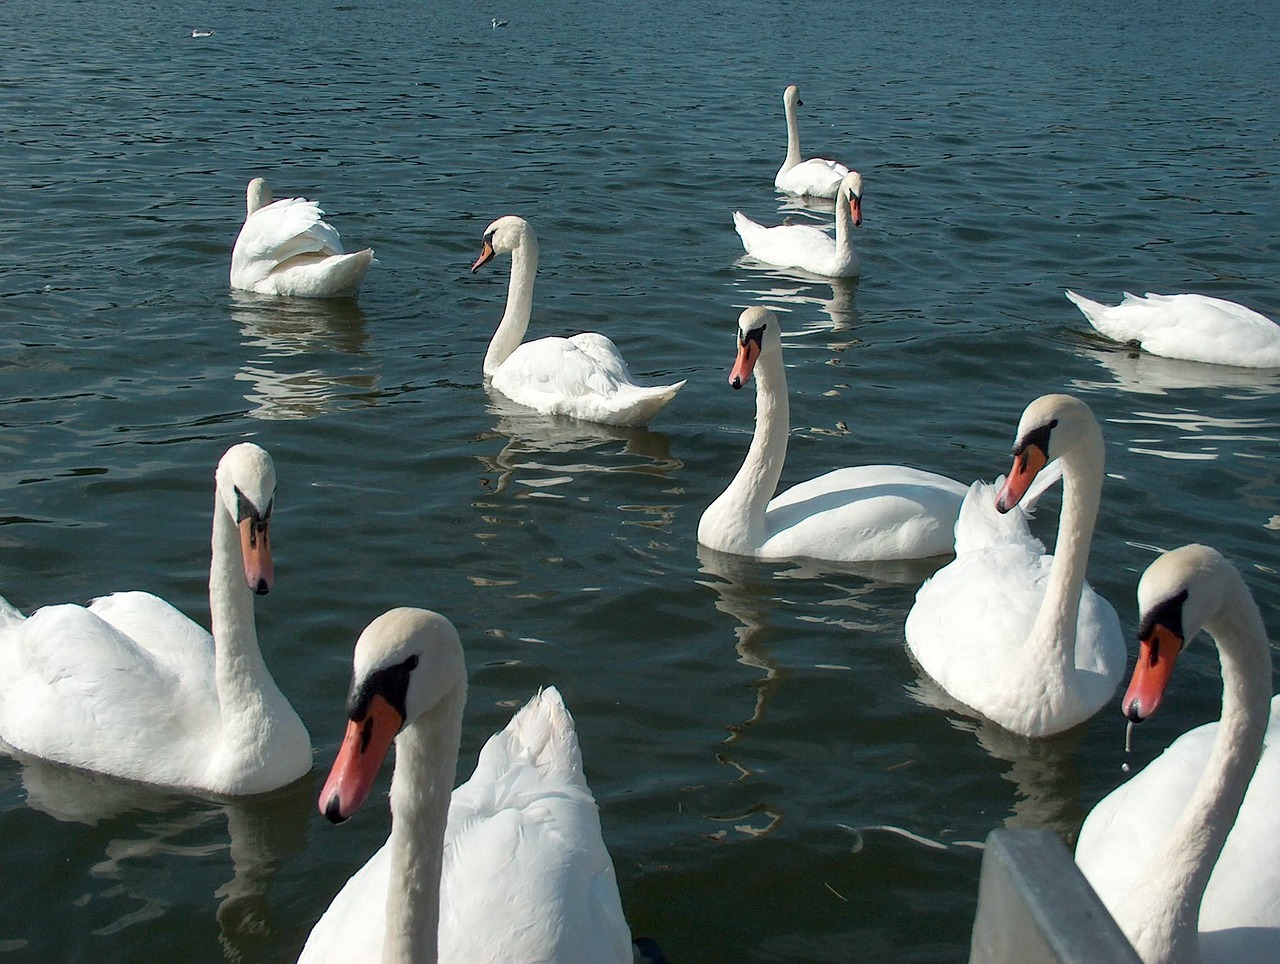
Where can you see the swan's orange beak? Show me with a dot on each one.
(359, 759)
(486, 255)
(255, 547)
(855, 209)
(1026, 466)
(1157, 652)
(744, 365)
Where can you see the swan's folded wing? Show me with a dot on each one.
(179, 644)
(288, 228)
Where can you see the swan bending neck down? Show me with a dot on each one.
(1005, 630)
(805, 246)
(131, 687)
(511, 867)
(582, 377)
(855, 514)
(816, 177)
(1155, 888)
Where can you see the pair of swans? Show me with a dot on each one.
(286, 248)
(1186, 854)
(1005, 629)
(806, 247)
(856, 514)
(582, 377)
(131, 687)
(1188, 327)
(510, 866)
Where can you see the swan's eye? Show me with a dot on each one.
(1038, 437)
(755, 334)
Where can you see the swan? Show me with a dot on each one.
(1010, 632)
(584, 376)
(1196, 834)
(131, 687)
(285, 248)
(806, 247)
(857, 514)
(512, 867)
(1189, 327)
(816, 177)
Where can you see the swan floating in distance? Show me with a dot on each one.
(286, 248)
(201, 33)
(584, 376)
(805, 246)
(131, 687)
(1189, 327)
(857, 514)
(495, 22)
(1010, 632)
(816, 177)
(511, 867)
(1186, 854)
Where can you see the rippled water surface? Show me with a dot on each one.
(773, 782)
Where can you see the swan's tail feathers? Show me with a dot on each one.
(1099, 316)
(650, 401)
(542, 735)
(747, 230)
(9, 616)
(349, 271)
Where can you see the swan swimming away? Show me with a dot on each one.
(1010, 632)
(584, 376)
(1188, 327)
(286, 248)
(509, 867)
(131, 687)
(1186, 854)
(816, 177)
(856, 514)
(805, 246)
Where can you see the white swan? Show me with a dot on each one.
(285, 248)
(584, 376)
(512, 867)
(1012, 633)
(856, 514)
(816, 177)
(805, 246)
(1189, 327)
(133, 688)
(1182, 841)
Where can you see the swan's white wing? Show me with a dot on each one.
(174, 640)
(816, 177)
(273, 235)
(788, 245)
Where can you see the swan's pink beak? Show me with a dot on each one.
(487, 254)
(1026, 466)
(744, 365)
(855, 209)
(1156, 655)
(255, 547)
(359, 759)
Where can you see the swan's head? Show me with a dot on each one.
(850, 193)
(791, 98)
(246, 484)
(407, 662)
(758, 331)
(257, 195)
(1178, 594)
(502, 237)
(1053, 426)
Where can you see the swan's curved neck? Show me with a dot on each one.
(738, 514)
(844, 222)
(426, 762)
(515, 319)
(793, 138)
(1162, 914)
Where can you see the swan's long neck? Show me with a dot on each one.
(793, 138)
(1162, 914)
(426, 762)
(515, 319)
(739, 513)
(844, 222)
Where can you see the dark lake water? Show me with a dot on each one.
(772, 785)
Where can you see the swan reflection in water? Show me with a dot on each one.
(1140, 373)
(140, 827)
(289, 337)
(785, 290)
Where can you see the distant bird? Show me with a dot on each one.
(201, 33)
(1189, 327)
(816, 177)
(285, 248)
(805, 246)
(584, 376)
(499, 23)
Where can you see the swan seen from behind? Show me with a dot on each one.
(815, 177)
(131, 687)
(806, 247)
(285, 247)
(1186, 854)
(856, 514)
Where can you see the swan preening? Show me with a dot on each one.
(1010, 632)
(805, 246)
(584, 376)
(816, 177)
(131, 687)
(1186, 854)
(286, 248)
(856, 514)
(509, 867)
(1188, 327)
